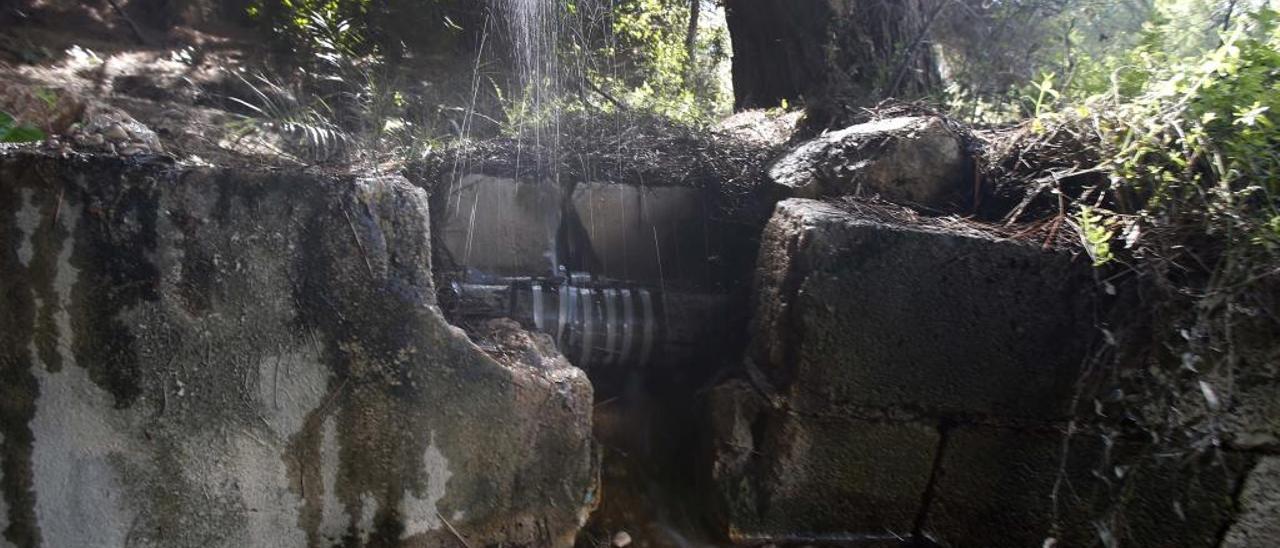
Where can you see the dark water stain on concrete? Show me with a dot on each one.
(379, 443)
(47, 241)
(115, 236)
(19, 388)
(393, 369)
(199, 273)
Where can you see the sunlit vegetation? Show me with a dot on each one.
(1160, 145)
(13, 132)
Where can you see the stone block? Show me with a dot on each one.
(863, 314)
(780, 477)
(648, 234)
(645, 234)
(1006, 487)
(499, 226)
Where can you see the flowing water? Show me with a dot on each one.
(535, 27)
(641, 417)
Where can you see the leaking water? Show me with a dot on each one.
(608, 325)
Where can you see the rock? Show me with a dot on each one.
(93, 124)
(621, 539)
(906, 375)
(865, 315)
(1252, 420)
(209, 357)
(1258, 523)
(764, 128)
(910, 160)
(118, 128)
(869, 337)
(115, 133)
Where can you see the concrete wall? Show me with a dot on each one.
(644, 234)
(202, 357)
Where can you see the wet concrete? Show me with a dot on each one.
(204, 357)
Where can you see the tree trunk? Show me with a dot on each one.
(777, 50)
(833, 56)
(691, 39)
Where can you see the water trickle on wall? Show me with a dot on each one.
(535, 26)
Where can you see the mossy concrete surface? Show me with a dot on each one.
(214, 357)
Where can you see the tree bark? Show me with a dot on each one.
(691, 38)
(833, 56)
(777, 50)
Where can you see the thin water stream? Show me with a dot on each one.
(610, 326)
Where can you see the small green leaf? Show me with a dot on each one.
(21, 134)
(49, 97)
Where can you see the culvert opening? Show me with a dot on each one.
(646, 289)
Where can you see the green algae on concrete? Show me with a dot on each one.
(211, 357)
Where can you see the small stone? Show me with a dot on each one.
(131, 151)
(116, 133)
(95, 139)
(621, 539)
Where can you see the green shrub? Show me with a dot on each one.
(1186, 218)
(12, 132)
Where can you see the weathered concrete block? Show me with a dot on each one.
(500, 226)
(509, 227)
(784, 477)
(914, 160)
(996, 488)
(1006, 487)
(645, 233)
(201, 357)
(868, 315)
(1258, 522)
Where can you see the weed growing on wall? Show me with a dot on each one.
(1174, 189)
